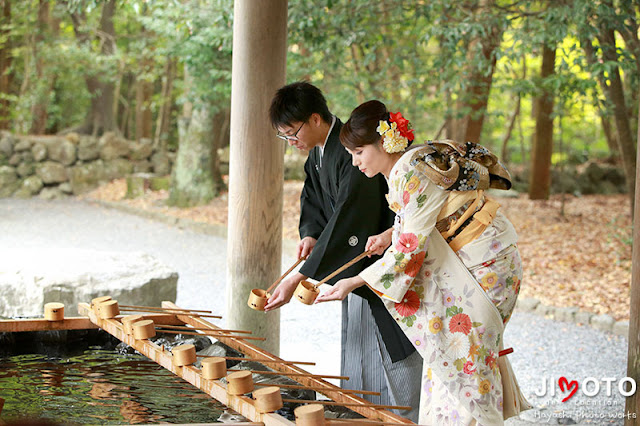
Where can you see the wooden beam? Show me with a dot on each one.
(41, 324)
(72, 323)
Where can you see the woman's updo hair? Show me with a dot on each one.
(361, 127)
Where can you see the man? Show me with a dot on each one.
(340, 209)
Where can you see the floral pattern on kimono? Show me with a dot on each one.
(437, 299)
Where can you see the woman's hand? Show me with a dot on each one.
(283, 293)
(341, 289)
(379, 243)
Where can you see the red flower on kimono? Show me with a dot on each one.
(414, 265)
(490, 360)
(409, 304)
(407, 243)
(406, 196)
(403, 125)
(460, 323)
(468, 368)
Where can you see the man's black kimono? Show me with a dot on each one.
(341, 208)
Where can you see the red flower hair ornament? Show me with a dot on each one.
(404, 127)
(396, 133)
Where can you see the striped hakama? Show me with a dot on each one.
(366, 362)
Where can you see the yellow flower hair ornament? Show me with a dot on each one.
(396, 133)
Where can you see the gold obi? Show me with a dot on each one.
(464, 217)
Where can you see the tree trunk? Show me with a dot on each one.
(144, 92)
(632, 404)
(125, 106)
(394, 73)
(449, 121)
(5, 65)
(44, 80)
(448, 125)
(612, 143)
(610, 136)
(512, 122)
(101, 116)
(220, 140)
(629, 32)
(458, 124)
(481, 81)
(615, 95)
(540, 177)
(164, 114)
(523, 151)
(356, 58)
(191, 181)
(117, 92)
(478, 72)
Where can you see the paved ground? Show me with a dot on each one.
(544, 350)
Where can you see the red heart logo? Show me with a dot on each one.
(571, 386)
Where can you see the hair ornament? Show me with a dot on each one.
(396, 133)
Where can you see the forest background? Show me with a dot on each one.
(547, 85)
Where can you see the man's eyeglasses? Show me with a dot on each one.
(293, 137)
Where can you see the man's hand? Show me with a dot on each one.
(283, 293)
(341, 289)
(305, 246)
(379, 243)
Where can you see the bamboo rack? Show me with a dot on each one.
(215, 388)
(344, 404)
(296, 374)
(195, 315)
(268, 361)
(332, 391)
(207, 333)
(187, 328)
(154, 308)
(317, 388)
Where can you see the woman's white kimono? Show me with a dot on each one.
(452, 306)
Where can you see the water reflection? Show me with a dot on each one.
(99, 387)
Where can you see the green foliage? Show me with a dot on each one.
(202, 42)
(411, 55)
(418, 57)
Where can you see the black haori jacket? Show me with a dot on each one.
(341, 208)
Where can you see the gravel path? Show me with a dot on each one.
(544, 349)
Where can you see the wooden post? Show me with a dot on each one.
(254, 242)
(632, 406)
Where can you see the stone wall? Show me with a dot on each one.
(52, 166)
(591, 177)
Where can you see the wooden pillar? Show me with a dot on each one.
(632, 405)
(256, 164)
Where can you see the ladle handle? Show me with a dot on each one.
(343, 267)
(285, 274)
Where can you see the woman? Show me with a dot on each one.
(450, 273)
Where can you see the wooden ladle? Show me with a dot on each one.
(307, 292)
(258, 297)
